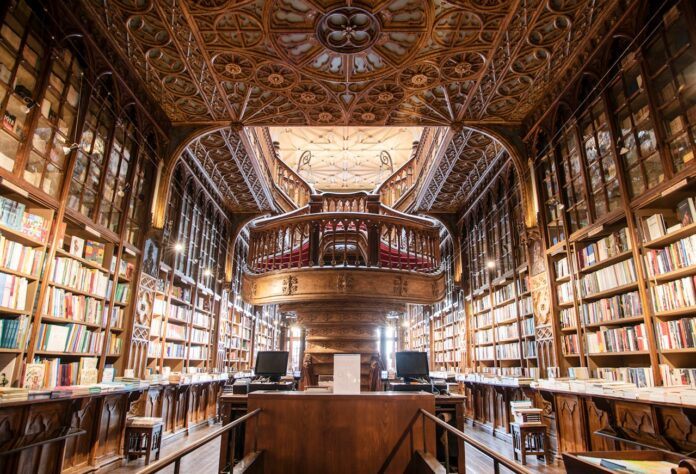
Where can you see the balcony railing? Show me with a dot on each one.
(344, 230)
(292, 184)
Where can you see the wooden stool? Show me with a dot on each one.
(529, 438)
(143, 435)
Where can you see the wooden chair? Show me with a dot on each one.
(143, 435)
(529, 439)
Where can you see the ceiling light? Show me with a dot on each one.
(178, 247)
(490, 264)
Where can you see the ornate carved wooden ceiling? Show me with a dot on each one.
(373, 62)
(363, 62)
(469, 157)
(345, 158)
(229, 167)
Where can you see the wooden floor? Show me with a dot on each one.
(205, 459)
(477, 463)
(202, 461)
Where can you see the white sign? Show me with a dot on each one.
(346, 374)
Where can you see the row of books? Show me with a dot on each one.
(183, 294)
(526, 306)
(564, 292)
(201, 319)
(674, 294)
(570, 344)
(530, 349)
(567, 317)
(51, 373)
(115, 344)
(622, 339)
(484, 353)
(679, 254)
(672, 377)
(69, 338)
(483, 337)
(614, 244)
(176, 332)
(619, 274)
(20, 258)
(122, 292)
(561, 267)
(13, 332)
(504, 293)
(173, 349)
(481, 304)
(505, 313)
(508, 351)
(677, 334)
(198, 352)
(14, 215)
(13, 291)
(528, 327)
(483, 319)
(508, 331)
(180, 313)
(73, 274)
(89, 250)
(62, 303)
(616, 307)
(655, 225)
(154, 350)
(640, 376)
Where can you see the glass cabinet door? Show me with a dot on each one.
(637, 143)
(671, 61)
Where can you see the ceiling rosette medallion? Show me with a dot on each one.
(348, 44)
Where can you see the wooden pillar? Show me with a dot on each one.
(341, 327)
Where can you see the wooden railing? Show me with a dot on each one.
(463, 440)
(344, 230)
(344, 202)
(399, 189)
(401, 181)
(175, 458)
(292, 184)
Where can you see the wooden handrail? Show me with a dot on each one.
(296, 217)
(497, 458)
(175, 458)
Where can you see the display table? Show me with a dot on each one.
(100, 420)
(583, 422)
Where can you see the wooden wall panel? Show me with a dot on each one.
(570, 421)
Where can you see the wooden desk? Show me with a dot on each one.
(234, 406)
(302, 432)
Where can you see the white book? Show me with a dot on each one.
(656, 226)
(57, 338)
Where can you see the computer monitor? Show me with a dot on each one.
(271, 364)
(412, 365)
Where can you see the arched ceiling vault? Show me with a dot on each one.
(358, 63)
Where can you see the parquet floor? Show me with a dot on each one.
(205, 459)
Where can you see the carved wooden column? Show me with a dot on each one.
(341, 327)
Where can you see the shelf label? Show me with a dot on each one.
(595, 231)
(673, 188)
(15, 188)
(92, 231)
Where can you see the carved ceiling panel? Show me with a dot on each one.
(345, 158)
(229, 168)
(469, 157)
(328, 62)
